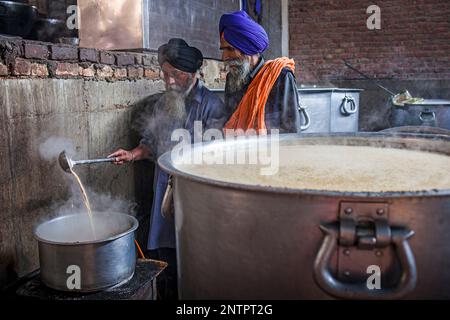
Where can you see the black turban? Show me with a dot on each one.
(180, 55)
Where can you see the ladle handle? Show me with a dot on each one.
(76, 162)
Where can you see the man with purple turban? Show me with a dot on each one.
(259, 94)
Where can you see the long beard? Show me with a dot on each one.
(239, 75)
(171, 106)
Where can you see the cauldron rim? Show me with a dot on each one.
(164, 161)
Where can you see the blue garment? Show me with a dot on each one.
(201, 105)
(243, 33)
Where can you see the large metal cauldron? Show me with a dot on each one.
(249, 242)
(101, 263)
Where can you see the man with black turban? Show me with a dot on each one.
(259, 95)
(185, 101)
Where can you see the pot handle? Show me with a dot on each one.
(327, 282)
(427, 112)
(348, 100)
(167, 202)
(304, 112)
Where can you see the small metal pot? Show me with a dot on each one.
(17, 19)
(100, 264)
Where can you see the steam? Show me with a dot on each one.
(101, 203)
(52, 147)
(156, 123)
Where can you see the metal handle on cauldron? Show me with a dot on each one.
(302, 109)
(427, 112)
(167, 202)
(348, 111)
(339, 289)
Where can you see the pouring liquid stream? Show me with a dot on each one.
(86, 202)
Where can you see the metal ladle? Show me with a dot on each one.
(67, 164)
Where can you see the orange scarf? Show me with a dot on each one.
(250, 111)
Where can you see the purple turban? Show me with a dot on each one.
(243, 33)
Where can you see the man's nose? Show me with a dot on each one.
(171, 80)
(224, 56)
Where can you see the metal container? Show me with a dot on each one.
(431, 112)
(101, 264)
(16, 18)
(331, 109)
(325, 110)
(238, 241)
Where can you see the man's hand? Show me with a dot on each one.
(122, 156)
(125, 156)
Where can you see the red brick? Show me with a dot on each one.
(3, 70)
(64, 53)
(135, 73)
(21, 67)
(151, 74)
(105, 72)
(36, 51)
(64, 69)
(90, 55)
(39, 70)
(120, 73)
(88, 72)
(107, 58)
(125, 59)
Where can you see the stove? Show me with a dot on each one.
(142, 286)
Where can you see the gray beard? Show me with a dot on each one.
(239, 77)
(171, 106)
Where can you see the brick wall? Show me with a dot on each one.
(412, 44)
(33, 59)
